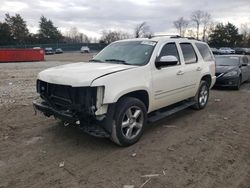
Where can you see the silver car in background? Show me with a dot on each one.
(226, 50)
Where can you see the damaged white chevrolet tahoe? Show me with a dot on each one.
(128, 84)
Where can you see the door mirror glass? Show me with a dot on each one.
(164, 61)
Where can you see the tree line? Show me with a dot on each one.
(200, 25)
(14, 31)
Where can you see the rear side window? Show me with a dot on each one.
(204, 51)
(188, 53)
(170, 49)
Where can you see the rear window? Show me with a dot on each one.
(204, 51)
(188, 53)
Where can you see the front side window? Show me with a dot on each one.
(204, 51)
(126, 52)
(188, 53)
(170, 49)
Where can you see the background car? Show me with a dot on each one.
(226, 50)
(59, 51)
(48, 51)
(232, 70)
(244, 51)
(37, 48)
(85, 49)
(215, 51)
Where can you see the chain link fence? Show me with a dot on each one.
(65, 46)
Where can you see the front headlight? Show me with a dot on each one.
(100, 96)
(230, 74)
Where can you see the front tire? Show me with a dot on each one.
(201, 98)
(129, 121)
(237, 87)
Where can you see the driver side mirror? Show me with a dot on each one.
(165, 61)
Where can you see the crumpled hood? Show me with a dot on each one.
(80, 74)
(225, 69)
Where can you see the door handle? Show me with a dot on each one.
(198, 69)
(180, 72)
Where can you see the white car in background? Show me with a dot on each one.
(226, 50)
(85, 49)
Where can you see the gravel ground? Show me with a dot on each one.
(208, 148)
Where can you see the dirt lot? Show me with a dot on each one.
(208, 148)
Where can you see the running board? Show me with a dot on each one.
(160, 114)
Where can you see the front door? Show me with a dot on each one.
(168, 82)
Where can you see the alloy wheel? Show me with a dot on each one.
(132, 122)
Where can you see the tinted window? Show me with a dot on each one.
(227, 60)
(245, 60)
(170, 49)
(188, 53)
(204, 51)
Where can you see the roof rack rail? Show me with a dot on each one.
(174, 36)
(170, 36)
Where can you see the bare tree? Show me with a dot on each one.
(206, 21)
(196, 17)
(191, 33)
(181, 25)
(245, 32)
(74, 36)
(111, 36)
(142, 30)
(211, 28)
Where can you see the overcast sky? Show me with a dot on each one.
(93, 16)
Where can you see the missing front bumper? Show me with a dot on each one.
(88, 125)
(49, 111)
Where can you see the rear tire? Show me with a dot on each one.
(129, 121)
(201, 97)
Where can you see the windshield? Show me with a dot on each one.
(227, 61)
(129, 52)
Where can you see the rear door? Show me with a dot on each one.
(192, 68)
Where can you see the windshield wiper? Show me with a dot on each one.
(118, 60)
(96, 60)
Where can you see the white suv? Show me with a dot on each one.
(128, 84)
(84, 49)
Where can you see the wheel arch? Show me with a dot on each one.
(142, 95)
(208, 79)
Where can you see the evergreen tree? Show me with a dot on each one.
(48, 33)
(5, 34)
(18, 27)
(225, 36)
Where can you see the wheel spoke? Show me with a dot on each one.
(125, 123)
(136, 114)
(129, 132)
(138, 125)
(129, 113)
